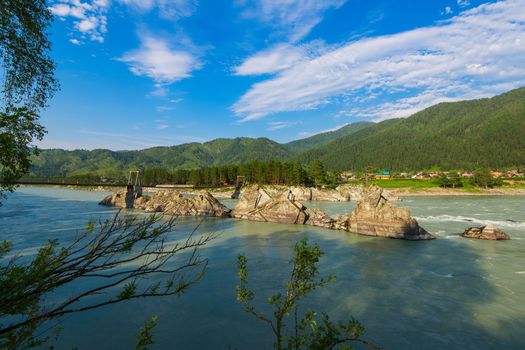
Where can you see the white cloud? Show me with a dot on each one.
(91, 139)
(90, 17)
(75, 41)
(304, 134)
(166, 8)
(295, 18)
(448, 10)
(272, 126)
(278, 58)
(157, 60)
(477, 53)
(463, 3)
(164, 108)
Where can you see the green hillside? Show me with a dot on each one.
(467, 134)
(317, 140)
(56, 162)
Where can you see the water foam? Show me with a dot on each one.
(452, 218)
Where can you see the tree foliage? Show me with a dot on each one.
(17, 130)
(308, 332)
(145, 338)
(24, 53)
(482, 177)
(452, 180)
(125, 258)
(28, 82)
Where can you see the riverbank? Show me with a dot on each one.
(437, 191)
(226, 192)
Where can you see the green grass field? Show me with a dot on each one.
(421, 185)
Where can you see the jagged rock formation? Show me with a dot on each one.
(124, 199)
(343, 193)
(259, 204)
(171, 203)
(485, 232)
(357, 193)
(373, 216)
(376, 216)
(203, 204)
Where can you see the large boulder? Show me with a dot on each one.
(258, 204)
(170, 202)
(301, 193)
(327, 194)
(485, 232)
(124, 199)
(316, 217)
(376, 216)
(357, 193)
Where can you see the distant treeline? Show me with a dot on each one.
(261, 172)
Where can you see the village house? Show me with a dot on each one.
(421, 176)
(383, 175)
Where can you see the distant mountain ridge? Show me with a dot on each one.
(322, 138)
(486, 132)
(58, 162)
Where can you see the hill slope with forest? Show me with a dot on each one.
(57, 162)
(486, 132)
(320, 139)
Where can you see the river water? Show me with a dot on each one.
(450, 293)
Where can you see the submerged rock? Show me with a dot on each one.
(485, 232)
(376, 216)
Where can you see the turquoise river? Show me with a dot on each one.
(450, 293)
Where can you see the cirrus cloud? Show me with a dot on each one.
(475, 54)
(295, 19)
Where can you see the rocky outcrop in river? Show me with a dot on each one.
(485, 232)
(373, 216)
(376, 216)
(124, 199)
(259, 204)
(343, 193)
(170, 202)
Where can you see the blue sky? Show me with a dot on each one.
(140, 73)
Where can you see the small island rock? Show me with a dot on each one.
(376, 216)
(170, 202)
(258, 204)
(485, 232)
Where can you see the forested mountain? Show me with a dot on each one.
(320, 139)
(468, 134)
(56, 162)
(487, 132)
